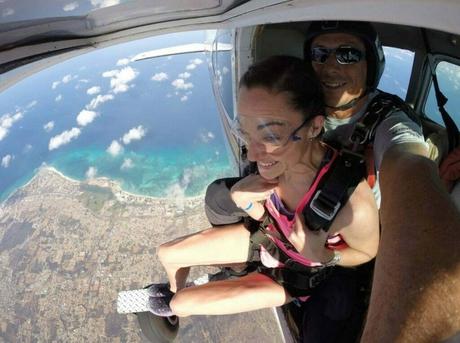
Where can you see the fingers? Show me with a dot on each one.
(252, 188)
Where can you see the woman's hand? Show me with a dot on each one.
(311, 244)
(252, 189)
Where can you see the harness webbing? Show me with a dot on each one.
(333, 191)
(298, 279)
(362, 138)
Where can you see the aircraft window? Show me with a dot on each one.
(398, 68)
(448, 75)
(222, 66)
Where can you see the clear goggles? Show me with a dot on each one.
(343, 54)
(272, 133)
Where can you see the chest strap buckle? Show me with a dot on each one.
(323, 206)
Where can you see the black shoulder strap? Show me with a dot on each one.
(333, 191)
(381, 107)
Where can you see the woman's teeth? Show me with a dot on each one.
(266, 164)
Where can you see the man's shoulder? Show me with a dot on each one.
(392, 107)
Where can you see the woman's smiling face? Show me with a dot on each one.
(265, 116)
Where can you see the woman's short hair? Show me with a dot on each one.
(291, 75)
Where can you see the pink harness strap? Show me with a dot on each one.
(285, 225)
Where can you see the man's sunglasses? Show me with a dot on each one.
(343, 54)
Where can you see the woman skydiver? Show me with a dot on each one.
(280, 119)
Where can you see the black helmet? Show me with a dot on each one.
(364, 30)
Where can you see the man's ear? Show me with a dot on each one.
(316, 126)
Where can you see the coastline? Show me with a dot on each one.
(102, 181)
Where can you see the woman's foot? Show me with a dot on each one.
(159, 306)
(162, 289)
(159, 290)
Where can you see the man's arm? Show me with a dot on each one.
(416, 288)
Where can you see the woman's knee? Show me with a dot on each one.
(181, 305)
(165, 253)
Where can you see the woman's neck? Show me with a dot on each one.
(294, 182)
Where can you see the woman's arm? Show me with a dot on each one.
(357, 223)
(250, 192)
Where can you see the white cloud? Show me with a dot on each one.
(193, 63)
(70, 7)
(7, 121)
(197, 61)
(127, 164)
(104, 3)
(67, 78)
(26, 148)
(32, 104)
(7, 12)
(181, 84)
(63, 138)
(115, 148)
(185, 75)
(110, 73)
(123, 62)
(100, 99)
(136, 133)
(58, 98)
(120, 79)
(184, 98)
(48, 126)
(91, 173)
(160, 77)
(85, 117)
(6, 160)
(93, 90)
(83, 80)
(207, 137)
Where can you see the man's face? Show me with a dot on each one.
(341, 83)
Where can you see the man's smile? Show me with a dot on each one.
(333, 84)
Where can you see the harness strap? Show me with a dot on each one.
(362, 138)
(293, 274)
(370, 165)
(333, 191)
(302, 280)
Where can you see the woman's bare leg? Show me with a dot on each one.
(213, 246)
(251, 292)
